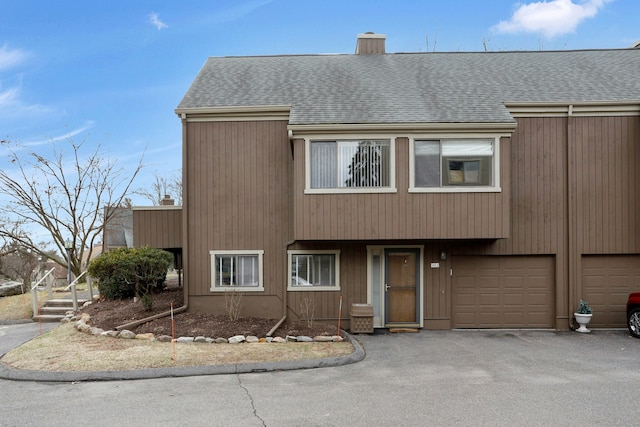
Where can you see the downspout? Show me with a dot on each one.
(571, 218)
(284, 297)
(185, 295)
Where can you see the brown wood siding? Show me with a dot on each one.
(157, 228)
(236, 183)
(401, 215)
(607, 182)
(353, 283)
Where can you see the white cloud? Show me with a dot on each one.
(11, 57)
(88, 125)
(550, 18)
(155, 20)
(8, 97)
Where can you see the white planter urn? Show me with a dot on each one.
(583, 320)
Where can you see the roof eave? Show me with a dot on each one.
(573, 108)
(493, 128)
(235, 113)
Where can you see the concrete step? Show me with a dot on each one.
(55, 310)
(64, 302)
(48, 318)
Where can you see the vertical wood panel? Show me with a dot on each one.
(606, 182)
(238, 199)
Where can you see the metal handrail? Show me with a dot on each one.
(42, 278)
(34, 295)
(75, 294)
(75, 280)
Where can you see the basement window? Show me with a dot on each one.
(236, 270)
(314, 270)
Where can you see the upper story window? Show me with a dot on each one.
(454, 165)
(239, 270)
(363, 165)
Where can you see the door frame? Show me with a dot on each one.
(376, 273)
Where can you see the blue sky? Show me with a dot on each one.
(112, 73)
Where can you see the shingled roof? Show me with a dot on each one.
(455, 87)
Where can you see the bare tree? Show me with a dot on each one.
(64, 194)
(8, 245)
(162, 186)
(20, 264)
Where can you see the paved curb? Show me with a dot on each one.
(9, 373)
(15, 322)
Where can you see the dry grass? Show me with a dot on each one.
(16, 307)
(66, 349)
(19, 307)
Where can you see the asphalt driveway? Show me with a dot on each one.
(475, 378)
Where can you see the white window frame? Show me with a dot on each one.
(216, 288)
(290, 254)
(495, 188)
(392, 164)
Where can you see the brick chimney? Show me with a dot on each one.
(370, 44)
(167, 201)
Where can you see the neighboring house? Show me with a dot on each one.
(447, 190)
(154, 226)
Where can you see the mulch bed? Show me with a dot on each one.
(108, 314)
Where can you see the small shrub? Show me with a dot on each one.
(126, 272)
(308, 311)
(147, 302)
(115, 289)
(233, 304)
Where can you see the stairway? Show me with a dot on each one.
(54, 310)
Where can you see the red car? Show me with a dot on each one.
(633, 314)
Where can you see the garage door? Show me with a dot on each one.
(503, 292)
(606, 283)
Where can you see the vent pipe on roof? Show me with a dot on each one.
(370, 44)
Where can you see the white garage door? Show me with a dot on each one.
(607, 281)
(503, 292)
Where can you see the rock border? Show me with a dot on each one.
(83, 325)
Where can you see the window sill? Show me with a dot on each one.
(313, 288)
(349, 190)
(237, 288)
(455, 190)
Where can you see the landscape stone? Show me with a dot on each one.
(304, 338)
(323, 338)
(186, 340)
(112, 334)
(199, 339)
(337, 338)
(290, 338)
(209, 340)
(279, 339)
(8, 289)
(96, 331)
(252, 339)
(148, 336)
(236, 339)
(164, 338)
(126, 334)
(82, 327)
(221, 340)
